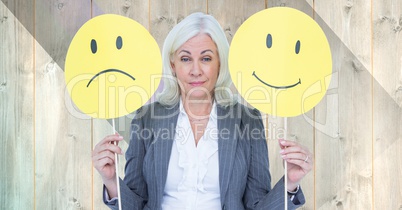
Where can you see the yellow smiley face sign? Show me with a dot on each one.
(280, 62)
(113, 66)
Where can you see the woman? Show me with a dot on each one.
(196, 148)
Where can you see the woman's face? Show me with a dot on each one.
(196, 65)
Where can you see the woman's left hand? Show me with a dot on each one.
(300, 161)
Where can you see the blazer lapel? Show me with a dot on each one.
(228, 124)
(163, 140)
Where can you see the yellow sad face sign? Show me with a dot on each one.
(280, 62)
(113, 66)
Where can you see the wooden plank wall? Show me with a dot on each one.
(355, 133)
(62, 140)
(351, 148)
(16, 107)
(386, 65)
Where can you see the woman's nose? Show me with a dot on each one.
(196, 69)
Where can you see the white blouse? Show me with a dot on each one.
(193, 174)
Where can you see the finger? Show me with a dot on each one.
(102, 162)
(280, 143)
(306, 166)
(99, 150)
(287, 143)
(295, 148)
(101, 147)
(305, 157)
(107, 147)
(104, 154)
(109, 139)
(111, 148)
(294, 155)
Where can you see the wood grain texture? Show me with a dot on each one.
(16, 107)
(387, 53)
(387, 45)
(387, 71)
(137, 10)
(328, 144)
(63, 151)
(63, 139)
(231, 14)
(387, 151)
(347, 184)
(22, 11)
(350, 20)
(166, 14)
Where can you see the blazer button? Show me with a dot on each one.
(223, 207)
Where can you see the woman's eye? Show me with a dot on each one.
(185, 59)
(206, 59)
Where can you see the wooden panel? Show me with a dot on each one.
(23, 12)
(64, 18)
(328, 144)
(136, 9)
(231, 14)
(387, 45)
(16, 107)
(63, 139)
(344, 161)
(166, 14)
(299, 128)
(387, 151)
(350, 21)
(387, 71)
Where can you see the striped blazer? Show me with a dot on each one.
(244, 176)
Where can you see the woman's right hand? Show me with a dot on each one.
(103, 159)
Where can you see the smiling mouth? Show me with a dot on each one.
(110, 70)
(276, 87)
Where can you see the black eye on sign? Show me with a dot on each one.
(94, 46)
(297, 47)
(119, 42)
(269, 41)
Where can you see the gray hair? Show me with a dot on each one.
(189, 27)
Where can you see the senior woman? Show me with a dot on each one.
(196, 147)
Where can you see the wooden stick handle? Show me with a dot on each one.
(286, 164)
(116, 163)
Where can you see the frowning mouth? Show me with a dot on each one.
(276, 87)
(110, 70)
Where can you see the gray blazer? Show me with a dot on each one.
(244, 176)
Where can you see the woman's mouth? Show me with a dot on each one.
(197, 84)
